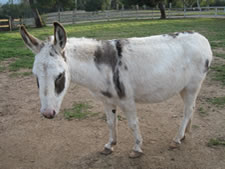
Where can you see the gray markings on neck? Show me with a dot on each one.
(110, 53)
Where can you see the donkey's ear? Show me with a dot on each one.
(59, 36)
(31, 42)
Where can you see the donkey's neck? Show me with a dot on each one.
(80, 59)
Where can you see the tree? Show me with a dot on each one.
(14, 10)
(46, 6)
(114, 3)
(93, 5)
(152, 3)
(37, 17)
(162, 10)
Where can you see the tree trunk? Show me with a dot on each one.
(162, 10)
(37, 17)
(198, 4)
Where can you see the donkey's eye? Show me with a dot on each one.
(60, 83)
(37, 82)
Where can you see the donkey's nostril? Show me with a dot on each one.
(50, 114)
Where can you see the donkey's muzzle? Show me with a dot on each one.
(49, 114)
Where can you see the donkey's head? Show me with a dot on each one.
(50, 68)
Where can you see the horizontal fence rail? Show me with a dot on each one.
(9, 24)
(4, 25)
(72, 17)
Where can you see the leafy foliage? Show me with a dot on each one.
(14, 10)
(93, 5)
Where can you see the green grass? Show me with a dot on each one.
(216, 142)
(12, 46)
(218, 101)
(218, 73)
(202, 112)
(78, 111)
(221, 55)
(2, 68)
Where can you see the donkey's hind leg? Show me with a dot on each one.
(189, 95)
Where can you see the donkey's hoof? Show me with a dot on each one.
(106, 151)
(135, 154)
(174, 145)
(182, 138)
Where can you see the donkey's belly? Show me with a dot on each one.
(155, 97)
(160, 89)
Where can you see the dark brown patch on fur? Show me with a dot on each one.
(114, 111)
(60, 83)
(174, 35)
(37, 82)
(49, 38)
(106, 55)
(64, 55)
(206, 65)
(120, 63)
(119, 86)
(51, 54)
(107, 94)
(119, 48)
(138, 142)
(125, 67)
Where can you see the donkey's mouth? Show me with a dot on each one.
(49, 115)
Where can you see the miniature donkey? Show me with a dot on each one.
(120, 73)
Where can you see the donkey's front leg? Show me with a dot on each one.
(110, 111)
(130, 111)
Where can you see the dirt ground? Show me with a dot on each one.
(29, 141)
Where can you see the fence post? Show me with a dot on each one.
(117, 7)
(59, 15)
(107, 15)
(10, 23)
(184, 12)
(152, 13)
(74, 15)
(137, 8)
(168, 13)
(20, 21)
(122, 9)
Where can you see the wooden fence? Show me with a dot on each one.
(72, 17)
(9, 24)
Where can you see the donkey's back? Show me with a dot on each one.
(161, 66)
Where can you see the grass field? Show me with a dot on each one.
(12, 46)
